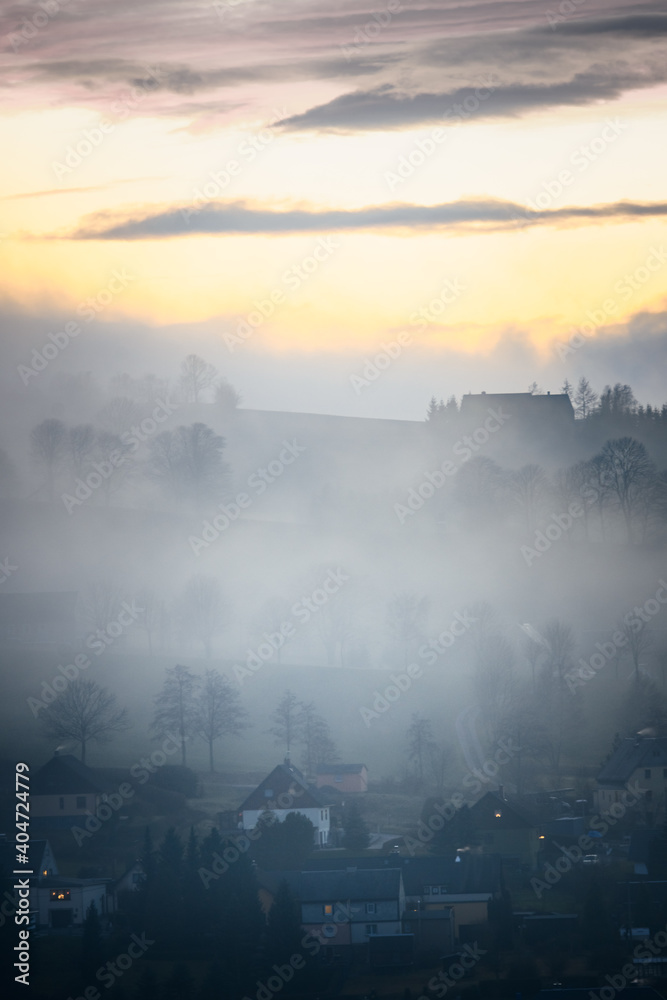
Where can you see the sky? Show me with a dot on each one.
(473, 191)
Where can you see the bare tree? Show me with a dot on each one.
(420, 744)
(203, 610)
(196, 376)
(315, 735)
(629, 474)
(176, 707)
(528, 488)
(99, 604)
(638, 641)
(407, 616)
(84, 712)
(286, 722)
(218, 711)
(119, 415)
(49, 444)
(584, 398)
(81, 443)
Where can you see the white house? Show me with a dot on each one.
(285, 791)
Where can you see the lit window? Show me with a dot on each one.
(328, 909)
(498, 813)
(59, 895)
(45, 872)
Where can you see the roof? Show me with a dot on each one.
(285, 779)
(8, 854)
(64, 774)
(340, 768)
(339, 886)
(638, 751)
(524, 404)
(512, 816)
(473, 874)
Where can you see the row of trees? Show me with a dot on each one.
(614, 403)
(619, 491)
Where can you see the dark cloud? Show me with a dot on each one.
(385, 107)
(233, 218)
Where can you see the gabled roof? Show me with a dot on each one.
(64, 774)
(638, 751)
(8, 855)
(340, 768)
(512, 816)
(285, 779)
(338, 886)
(473, 874)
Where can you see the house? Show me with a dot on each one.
(637, 765)
(505, 828)
(38, 619)
(459, 890)
(64, 902)
(343, 777)
(64, 791)
(284, 791)
(56, 902)
(344, 908)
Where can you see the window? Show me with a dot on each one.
(328, 909)
(435, 890)
(371, 908)
(664, 772)
(59, 895)
(371, 928)
(61, 803)
(268, 793)
(647, 772)
(81, 801)
(427, 890)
